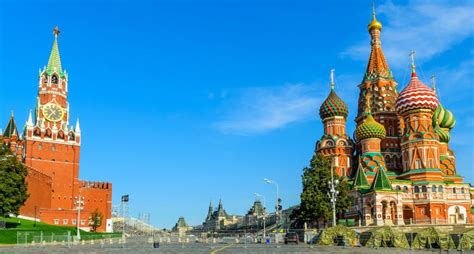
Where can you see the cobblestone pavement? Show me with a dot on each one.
(142, 246)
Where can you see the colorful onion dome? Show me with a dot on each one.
(370, 129)
(443, 134)
(416, 95)
(443, 118)
(333, 106)
(374, 24)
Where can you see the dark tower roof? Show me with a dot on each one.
(11, 129)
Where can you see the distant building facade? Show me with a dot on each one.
(255, 215)
(219, 219)
(181, 226)
(50, 148)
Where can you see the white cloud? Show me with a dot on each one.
(263, 109)
(428, 27)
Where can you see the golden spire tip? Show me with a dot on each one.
(56, 31)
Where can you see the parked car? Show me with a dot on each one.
(291, 237)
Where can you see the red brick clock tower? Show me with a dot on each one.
(52, 152)
(51, 145)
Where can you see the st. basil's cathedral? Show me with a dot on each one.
(50, 149)
(399, 164)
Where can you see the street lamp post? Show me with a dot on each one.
(277, 203)
(264, 213)
(333, 192)
(79, 205)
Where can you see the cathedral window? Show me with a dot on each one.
(390, 131)
(462, 190)
(440, 188)
(417, 189)
(433, 188)
(423, 188)
(398, 188)
(454, 190)
(405, 189)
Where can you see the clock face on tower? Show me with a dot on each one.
(53, 112)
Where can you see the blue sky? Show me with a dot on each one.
(183, 102)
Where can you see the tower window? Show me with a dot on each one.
(417, 189)
(440, 188)
(423, 188)
(54, 79)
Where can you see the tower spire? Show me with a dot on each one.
(412, 56)
(433, 82)
(54, 62)
(29, 123)
(374, 24)
(332, 79)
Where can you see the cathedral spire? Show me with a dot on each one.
(374, 24)
(332, 79)
(433, 83)
(54, 62)
(412, 56)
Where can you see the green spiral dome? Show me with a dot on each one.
(443, 117)
(370, 129)
(333, 106)
(443, 134)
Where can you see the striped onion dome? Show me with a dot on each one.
(444, 135)
(416, 95)
(333, 106)
(443, 117)
(370, 129)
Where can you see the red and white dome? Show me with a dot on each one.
(416, 95)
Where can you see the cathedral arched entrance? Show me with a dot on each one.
(457, 215)
(408, 214)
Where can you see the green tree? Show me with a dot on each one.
(315, 204)
(95, 220)
(13, 187)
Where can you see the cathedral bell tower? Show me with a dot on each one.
(335, 143)
(379, 88)
(52, 146)
(420, 142)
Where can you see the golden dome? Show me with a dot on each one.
(375, 24)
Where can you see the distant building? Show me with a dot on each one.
(181, 226)
(219, 219)
(254, 217)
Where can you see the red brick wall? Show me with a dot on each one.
(39, 189)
